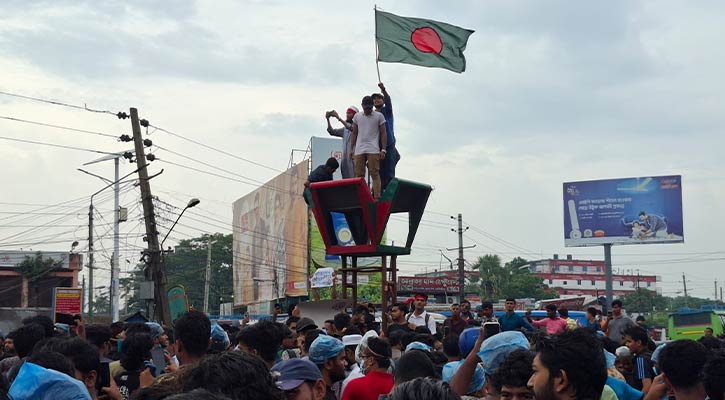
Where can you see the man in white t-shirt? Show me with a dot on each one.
(368, 138)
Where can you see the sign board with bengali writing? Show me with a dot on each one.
(67, 301)
(623, 211)
(428, 285)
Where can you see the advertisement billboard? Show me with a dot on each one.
(428, 285)
(270, 239)
(322, 149)
(67, 301)
(623, 211)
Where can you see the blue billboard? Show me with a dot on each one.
(623, 211)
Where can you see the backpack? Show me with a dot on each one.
(427, 318)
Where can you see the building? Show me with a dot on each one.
(588, 277)
(18, 290)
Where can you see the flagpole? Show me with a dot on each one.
(377, 63)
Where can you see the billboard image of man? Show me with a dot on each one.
(654, 225)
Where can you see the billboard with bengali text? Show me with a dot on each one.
(428, 285)
(67, 301)
(270, 239)
(623, 211)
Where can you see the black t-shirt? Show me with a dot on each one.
(397, 327)
(643, 369)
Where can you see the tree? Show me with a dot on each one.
(510, 280)
(36, 267)
(186, 266)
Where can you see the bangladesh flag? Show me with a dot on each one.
(420, 42)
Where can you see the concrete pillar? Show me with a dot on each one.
(24, 295)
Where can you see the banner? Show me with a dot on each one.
(623, 211)
(428, 285)
(67, 301)
(322, 149)
(178, 302)
(322, 278)
(270, 239)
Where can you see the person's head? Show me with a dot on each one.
(681, 361)
(551, 311)
(398, 311)
(136, 350)
(262, 339)
(328, 354)
(330, 326)
(307, 340)
(486, 309)
(9, 344)
(52, 360)
(564, 313)
(351, 341)
(305, 324)
(713, 378)
(84, 357)
(708, 332)
(465, 306)
(44, 321)
(423, 389)
(299, 379)
(289, 338)
(350, 113)
(512, 376)
(635, 338)
(191, 336)
(26, 337)
(292, 323)
(421, 300)
(376, 355)
(341, 321)
(456, 310)
(332, 165)
(643, 216)
(233, 374)
(378, 100)
(450, 347)
(220, 339)
(158, 334)
(414, 364)
(99, 335)
(367, 105)
(510, 304)
(196, 394)
(591, 314)
(570, 365)
(136, 327)
(617, 308)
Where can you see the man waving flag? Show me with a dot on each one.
(420, 42)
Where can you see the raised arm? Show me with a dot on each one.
(462, 378)
(386, 97)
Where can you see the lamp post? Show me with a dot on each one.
(192, 203)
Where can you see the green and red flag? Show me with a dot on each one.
(420, 41)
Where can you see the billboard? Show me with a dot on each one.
(322, 149)
(623, 211)
(270, 239)
(67, 301)
(428, 285)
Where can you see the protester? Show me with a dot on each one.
(681, 362)
(323, 172)
(351, 341)
(397, 319)
(512, 321)
(552, 323)
(369, 143)
(593, 324)
(329, 326)
(8, 346)
(475, 388)
(328, 354)
(25, 339)
(617, 323)
(346, 165)
(291, 323)
(484, 313)
(396, 344)
(288, 349)
(713, 377)
(466, 313)
(414, 364)
(419, 316)
(569, 366)
(384, 105)
(377, 381)
(636, 340)
(571, 323)
(262, 339)
(512, 376)
(299, 380)
(454, 324)
(341, 321)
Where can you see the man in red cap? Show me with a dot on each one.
(346, 166)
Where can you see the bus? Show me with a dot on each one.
(688, 323)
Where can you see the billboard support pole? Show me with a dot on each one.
(608, 267)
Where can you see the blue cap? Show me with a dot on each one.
(479, 307)
(656, 354)
(496, 348)
(219, 338)
(36, 382)
(417, 346)
(611, 358)
(325, 347)
(477, 382)
(64, 327)
(156, 329)
(293, 372)
(467, 339)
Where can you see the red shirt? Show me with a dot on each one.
(369, 387)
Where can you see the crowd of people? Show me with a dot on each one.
(351, 357)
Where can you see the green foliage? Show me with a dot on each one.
(38, 266)
(186, 266)
(645, 301)
(509, 280)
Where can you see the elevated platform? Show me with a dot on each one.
(366, 217)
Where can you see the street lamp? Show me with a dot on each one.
(192, 203)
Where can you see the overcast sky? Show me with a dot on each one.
(554, 91)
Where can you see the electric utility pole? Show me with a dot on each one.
(461, 260)
(90, 262)
(153, 253)
(207, 277)
(684, 288)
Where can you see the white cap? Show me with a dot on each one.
(623, 351)
(351, 340)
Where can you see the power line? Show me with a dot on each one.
(56, 145)
(58, 103)
(66, 128)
